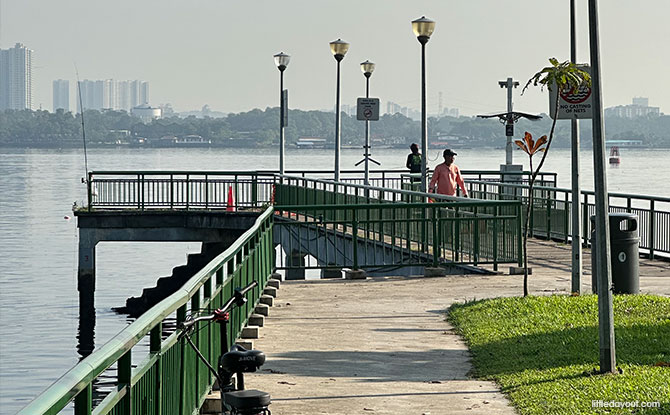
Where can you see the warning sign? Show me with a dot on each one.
(367, 109)
(572, 104)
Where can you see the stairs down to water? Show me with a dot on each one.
(166, 286)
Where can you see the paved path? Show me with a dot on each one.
(382, 346)
(378, 346)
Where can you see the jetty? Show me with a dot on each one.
(368, 334)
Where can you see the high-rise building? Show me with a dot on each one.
(111, 94)
(61, 95)
(639, 108)
(16, 78)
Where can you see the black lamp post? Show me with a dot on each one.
(339, 49)
(423, 28)
(281, 60)
(367, 67)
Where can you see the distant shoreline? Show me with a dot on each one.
(289, 147)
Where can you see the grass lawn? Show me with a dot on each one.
(542, 351)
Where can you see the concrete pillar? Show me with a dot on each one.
(86, 273)
(295, 259)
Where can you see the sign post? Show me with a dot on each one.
(572, 104)
(367, 109)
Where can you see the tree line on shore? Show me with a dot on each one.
(259, 128)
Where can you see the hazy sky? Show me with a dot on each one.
(219, 52)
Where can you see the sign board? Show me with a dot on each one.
(284, 104)
(572, 105)
(367, 109)
(509, 130)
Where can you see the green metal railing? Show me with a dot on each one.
(551, 214)
(177, 190)
(452, 229)
(211, 189)
(170, 379)
(408, 233)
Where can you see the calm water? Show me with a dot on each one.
(38, 294)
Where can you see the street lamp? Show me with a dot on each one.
(423, 28)
(367, 68)
(339, 48)
(281, 60)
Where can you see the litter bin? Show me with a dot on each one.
(624, 252)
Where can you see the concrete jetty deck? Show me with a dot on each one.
(382, 345)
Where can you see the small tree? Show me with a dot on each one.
(565, 76)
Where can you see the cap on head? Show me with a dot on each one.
(448, 152)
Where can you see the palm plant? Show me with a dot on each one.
(564, 76)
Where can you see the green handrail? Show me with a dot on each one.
(256, 264)
(554, 205)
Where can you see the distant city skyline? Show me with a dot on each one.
(112, 94)
(220, 54)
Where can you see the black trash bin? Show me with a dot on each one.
(624, 252)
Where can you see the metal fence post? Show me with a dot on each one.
(436, 242)
(171, 191)
(188, 192)
(155, 348)
(206, 192)
(519, 239)
(355, 237)
(125, 377)
(652, 225)
(254, 190)
(83, 401)
(495, 237)
(89, 190)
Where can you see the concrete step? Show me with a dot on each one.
(275, 283)
(212, 404)
(250, 332)
(267, 299)
(247, 344)
(262, 309)
(271, 291)
(257, 320)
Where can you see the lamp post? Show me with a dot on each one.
(423, 28)
(576, 286)
(339, 49)
(602, 244)
(367, 68)
(281, 60)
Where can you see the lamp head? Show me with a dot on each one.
(367, 68)
(282, 60)
(423, 28)
(339, 48)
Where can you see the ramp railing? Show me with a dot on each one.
(450, 228)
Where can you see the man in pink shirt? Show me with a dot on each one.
(447, 176)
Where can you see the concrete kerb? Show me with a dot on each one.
(355, 274)
(434, 272)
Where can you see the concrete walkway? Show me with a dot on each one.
(382, 345)
(376, 346)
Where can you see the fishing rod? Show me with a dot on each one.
(83, 130)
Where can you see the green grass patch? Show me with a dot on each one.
(542, 351)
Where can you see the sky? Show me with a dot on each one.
(220, 52)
